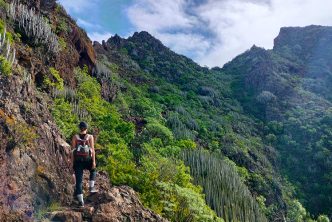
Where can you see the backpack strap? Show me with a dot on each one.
(87, 138)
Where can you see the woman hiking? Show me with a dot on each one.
(83, 158)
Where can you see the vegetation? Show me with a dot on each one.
(42, 214)
(33, 26)
(223, 188)
(296, 117)
(5, 35)
(56, 81)
(251, 141)
(252, 117)
(240, 113)
(5, 67)
(7, 54)
(184, 102)
(116, 153)
(21, 134)
(3, 4)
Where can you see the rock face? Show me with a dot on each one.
(34, 157)
(112, 204)
(311, 48)
(306, 43)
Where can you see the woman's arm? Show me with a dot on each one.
(73, 145)
(93, 152)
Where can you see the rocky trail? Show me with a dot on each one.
(109, 204)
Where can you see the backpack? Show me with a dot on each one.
(82, 151)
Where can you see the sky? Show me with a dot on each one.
(211, 32)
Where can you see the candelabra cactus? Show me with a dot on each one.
(6, 50)
(33, 26)
(7, 54)
(101, 71)
(225, 192)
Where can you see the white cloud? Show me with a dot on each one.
(77, 5)
(167, 22)
(186, 43)
(99, 37)
(87, 24)
(233, 26)
(160, 15)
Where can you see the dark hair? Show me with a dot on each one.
(83, 125)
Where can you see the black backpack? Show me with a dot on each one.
(82, 151)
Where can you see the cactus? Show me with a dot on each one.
(33, 26)
(101, 71)
(67, 93)
(7, 52)
(225, 192)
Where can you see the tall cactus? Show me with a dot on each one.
(224, 190)
(8, 52)
(34, 26)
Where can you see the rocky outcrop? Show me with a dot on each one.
(113, 204)
(84, 47)
(34, 157)
(35, 167)
(39, 4)
(304, 43)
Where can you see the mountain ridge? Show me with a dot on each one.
(270, 79)
(263, 119)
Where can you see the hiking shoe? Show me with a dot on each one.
(79, 197)
(80, 204)
(93, 190)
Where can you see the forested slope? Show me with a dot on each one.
(266, 111)
(247, 142)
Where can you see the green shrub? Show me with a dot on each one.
(184, 204)
(158, 163)
(62, 43)
(296, 212)
(323, 218)
(62, 27)
(56, 81)
(22, 133)
(5, 67)
(156, 130)
(3, 4)
(9, 35)
(64, 117)
(119, 164)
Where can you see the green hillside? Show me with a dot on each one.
(260, 111)
(250, 141)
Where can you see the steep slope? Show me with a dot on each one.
(263, 120)
(34, 156)
(289, 89)
(266, 112)
(193, 102)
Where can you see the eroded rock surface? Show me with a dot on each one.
(114, 204)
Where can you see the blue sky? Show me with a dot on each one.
(211, 32)
(100, 18)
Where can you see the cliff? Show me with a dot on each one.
(34, 156)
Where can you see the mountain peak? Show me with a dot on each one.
(303, 42)
(115, 40)
(145, 36)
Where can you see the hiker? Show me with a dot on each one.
(83, 158)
